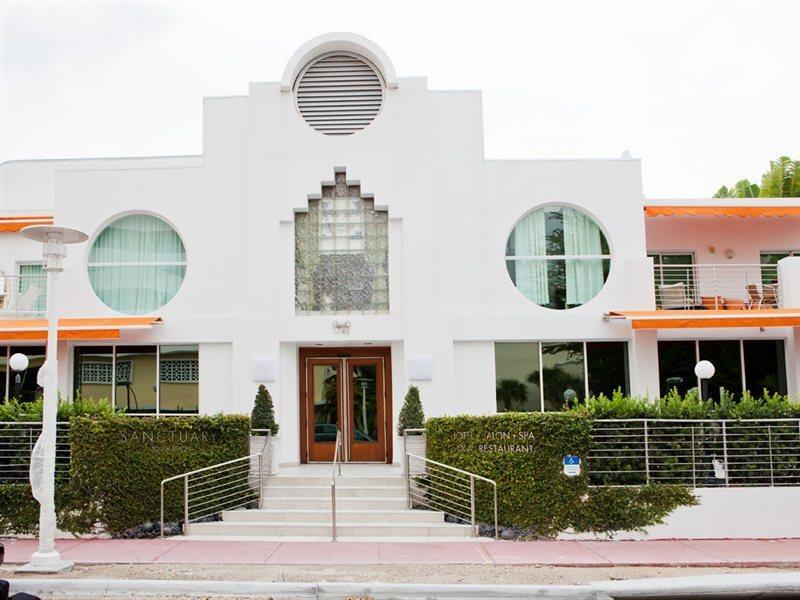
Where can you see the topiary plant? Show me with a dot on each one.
(411, 416)
(263, 415)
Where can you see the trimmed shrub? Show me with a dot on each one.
(263, 415)
(523, 453)
(411, 415)
(16, 411)
(118, 463)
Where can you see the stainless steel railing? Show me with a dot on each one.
(17, 439)
(717, 286)
(233, 484)
(336, 469)
(697, 453)
(433, 485)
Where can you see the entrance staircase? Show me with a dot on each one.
(371, 503)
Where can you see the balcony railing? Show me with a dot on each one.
(23, 296)
(717, 287)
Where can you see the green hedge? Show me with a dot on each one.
(119, 462)
(523, 452)
(117, 466)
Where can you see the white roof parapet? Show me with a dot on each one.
(338, 41)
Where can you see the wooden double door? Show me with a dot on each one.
(347, 390)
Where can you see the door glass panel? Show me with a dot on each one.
(365, 404)
(325, 399)
(676, 361)
(727, 360)
(563, 374)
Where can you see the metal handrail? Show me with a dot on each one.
(217, 496)
(451, 501)
(336, 462)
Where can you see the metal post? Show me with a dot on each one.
(716, 287)
(333, 510)
(646, 452)
(161, 530)
(771, 468)
(725, 451)
(496, 525)
(186, 505)
(694, 461)
(407, 461)
(260, 481)
(472, 505)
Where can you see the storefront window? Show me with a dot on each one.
(28, 389)
(94, 372)
(765, 366)
(521, 385)
(179, 379)
(726, 357)
(676, 361)
(517, 373)
(136, 379)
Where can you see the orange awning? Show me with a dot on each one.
(690, 319)
(722, 211)
(16, 223)
(100, 328)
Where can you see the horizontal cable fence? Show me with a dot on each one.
(696, 453)
(17, 440)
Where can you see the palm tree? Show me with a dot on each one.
(782, 180)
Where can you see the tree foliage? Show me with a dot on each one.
(782, 180)
(263, 415)
(411, 415)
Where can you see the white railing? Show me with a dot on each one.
(16, 444)
(717, 287)
(696, 453)
(22, 296)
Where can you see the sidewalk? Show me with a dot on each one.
(697, 553)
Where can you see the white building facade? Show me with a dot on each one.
(342, 237)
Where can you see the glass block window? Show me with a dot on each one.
(180, 371)
(100, 372)
(341, 253)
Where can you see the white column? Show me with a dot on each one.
(643, 359)
(789, 296)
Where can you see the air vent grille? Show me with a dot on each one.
(339, 94)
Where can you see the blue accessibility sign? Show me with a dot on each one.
(572, 465)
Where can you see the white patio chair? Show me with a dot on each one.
(673, 296)
(23, 304)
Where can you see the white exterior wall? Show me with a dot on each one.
(450, 213)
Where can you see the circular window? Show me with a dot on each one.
(137, 264)
(339, 93)
(558, 257)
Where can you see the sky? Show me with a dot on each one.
(705, 93)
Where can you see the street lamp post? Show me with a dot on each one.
(43, 458)
(18, 363)
(704, 371)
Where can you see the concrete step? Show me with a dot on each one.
(324, 516)
(324, 503)
(346, 529)
(324, 491)
(343, 481)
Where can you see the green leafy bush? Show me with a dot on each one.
(16, 411)
(118, 463)
(263, 415)
(523, 453)
(411, 415)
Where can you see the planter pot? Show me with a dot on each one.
(257, 445)
(414, 444)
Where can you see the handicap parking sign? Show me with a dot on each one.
(572, 465)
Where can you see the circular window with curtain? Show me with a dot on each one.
(137, 264)
(558, 257)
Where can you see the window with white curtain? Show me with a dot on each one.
(137, 264)
(558, 257)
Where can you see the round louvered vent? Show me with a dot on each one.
(339, 93)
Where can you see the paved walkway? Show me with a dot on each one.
(727, 553)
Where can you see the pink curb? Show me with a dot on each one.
(565, 553)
